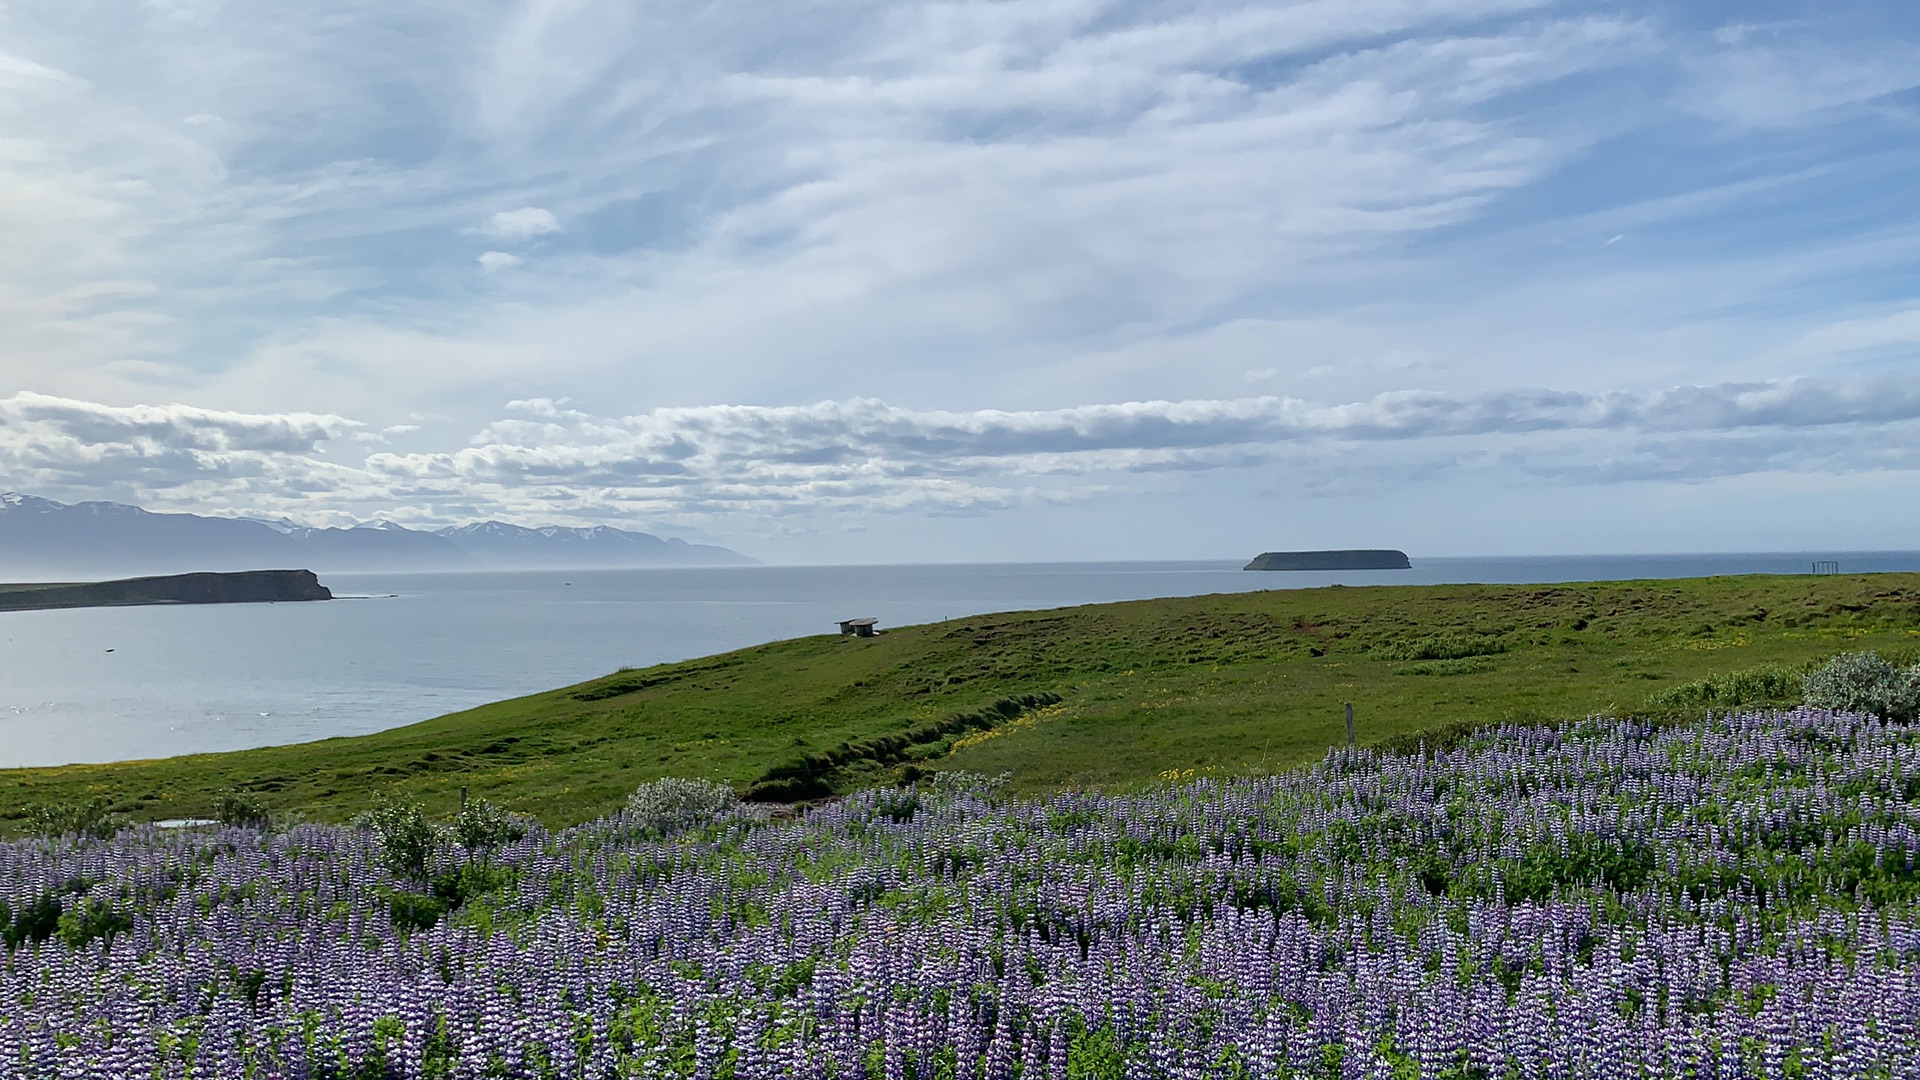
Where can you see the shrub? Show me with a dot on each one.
(483, 826)
(1770, 684)
(1469, 665)
(92, 919)
(896, 804)
(407, 840)
(238, 807)
(413, 911)
(34, 921)
(1438, 647)
(672, 805)
(463, 883)
(92, 818)
(1865, 682)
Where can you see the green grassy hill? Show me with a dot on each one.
(1109, 695)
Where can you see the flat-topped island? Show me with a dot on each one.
(1351, 559)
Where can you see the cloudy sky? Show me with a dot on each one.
(895, 281)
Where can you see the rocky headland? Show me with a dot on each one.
(242, 587)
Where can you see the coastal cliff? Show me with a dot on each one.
(243, 587)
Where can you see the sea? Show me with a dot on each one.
(115, 684)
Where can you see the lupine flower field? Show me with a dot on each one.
(1736, 898)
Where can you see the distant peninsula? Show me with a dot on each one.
(1353, 559)
(243, 587)
(45, 540)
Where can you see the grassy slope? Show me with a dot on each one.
(1232, 682)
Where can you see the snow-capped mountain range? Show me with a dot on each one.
(40, 537)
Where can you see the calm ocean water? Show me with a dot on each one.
(109, 684)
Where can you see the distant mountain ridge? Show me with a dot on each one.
(40, 537)
(595, 545)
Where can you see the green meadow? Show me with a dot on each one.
(1110, 695)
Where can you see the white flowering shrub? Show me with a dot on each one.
(671, 805)
(1865, 682)
(958, 782)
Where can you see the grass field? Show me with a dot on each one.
(1113, 695)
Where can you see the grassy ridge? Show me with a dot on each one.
(1111, 694)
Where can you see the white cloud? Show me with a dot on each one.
(1789, 81)
(172, 452)
(522, 224)
(861, 183)
(839, 441)
(936, 188)
(1899, 330)
(173, 427)
(497, 260)
(707, 463)
(540, 406)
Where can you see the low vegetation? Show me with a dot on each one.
(1715, 886)
(1110, 696)
(1602, 900)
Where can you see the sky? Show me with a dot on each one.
(853, 281)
